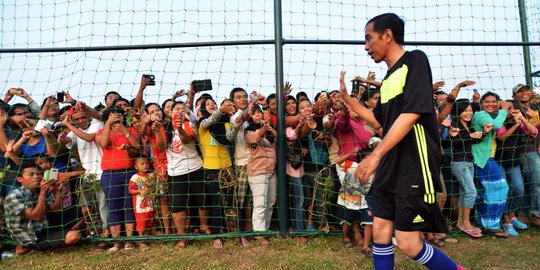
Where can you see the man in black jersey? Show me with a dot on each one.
(407, 161)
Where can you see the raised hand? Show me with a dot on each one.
(342, 85)
(67, 97)
(487, 128)
(9, 146)
(476, 135)
(505, 105)
(288, 88)
(466, 83)
(454, 131)
(438, 85)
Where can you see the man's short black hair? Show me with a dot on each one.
(27, 163)
(271, 96)
(389, 21)
(234, 91)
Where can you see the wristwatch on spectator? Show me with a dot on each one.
(127, 135)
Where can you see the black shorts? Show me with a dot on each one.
(188, 186)
(409, 212)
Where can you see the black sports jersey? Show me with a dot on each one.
(413, 165)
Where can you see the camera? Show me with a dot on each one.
(150, 79)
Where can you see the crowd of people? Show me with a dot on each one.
(212, 168)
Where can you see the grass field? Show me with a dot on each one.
(284, 253)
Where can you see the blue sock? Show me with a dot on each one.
(433, 258)
(383, 256)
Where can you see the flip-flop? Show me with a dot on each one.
(471, 232)
(497, 233)
(436, 242)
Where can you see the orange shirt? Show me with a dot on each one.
(114, 159)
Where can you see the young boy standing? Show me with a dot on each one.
(407, 160)
(143, 206)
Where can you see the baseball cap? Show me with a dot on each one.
(518, 87)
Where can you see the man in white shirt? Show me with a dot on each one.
(82, 133)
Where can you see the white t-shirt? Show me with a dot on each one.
(89, 152)
(183, 158)
(241, 149)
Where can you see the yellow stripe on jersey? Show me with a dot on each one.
(393, 85)
(421, 143)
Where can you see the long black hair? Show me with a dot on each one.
(252, 126)
(218, 129)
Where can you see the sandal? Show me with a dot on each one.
(436, 242)
(471, 232)
(497, 233)
(114, 248)
(181, 244)
(244, 242)
(101, 247)
(347, 244)
(143, 247)
(368, 252)
(218, 244)
(129, 246)
(448, 239)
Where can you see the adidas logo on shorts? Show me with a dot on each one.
(418, 219)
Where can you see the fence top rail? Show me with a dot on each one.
(252, 42)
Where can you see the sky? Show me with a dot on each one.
(310, 68)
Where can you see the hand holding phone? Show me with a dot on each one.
(150, 79)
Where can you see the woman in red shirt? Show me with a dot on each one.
(119, 144)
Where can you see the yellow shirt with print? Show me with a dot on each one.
(215, 155)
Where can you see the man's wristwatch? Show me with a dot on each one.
(127, 135)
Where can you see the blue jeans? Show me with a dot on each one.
(463, 171)
(297, 202)
(515, 180)
(531, 173)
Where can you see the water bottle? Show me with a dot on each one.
(7, 255)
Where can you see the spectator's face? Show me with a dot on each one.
(376, 46)
(142, 165)
(272, 106)
(30, 177)
(155, 110)
(337, 101)
(523, 95)
(179, 109)
(122, 104)
(372, 102)
(110, 99)
(210, 106)
(302, 97)
(22, 112)
(290, 107)
(80, 120)
(467, 114)
(257, 116)
(490, 104)
(43, 164)
(53, 110)
(305, 108)
(240, 100)
(441, 98)
(168, 108)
